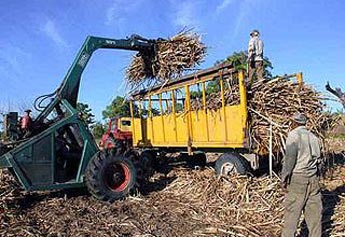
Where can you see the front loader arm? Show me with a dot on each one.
(69, 88)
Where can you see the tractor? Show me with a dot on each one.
(56, 150)
(118, 133)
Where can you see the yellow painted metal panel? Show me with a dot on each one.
(158, 135)
(243, 100)
(204, 111)
(182, 128)
(136, 126)
(123, 124)
(133, 128)
(201, 145)
(199, 126)
(205, 128)
(174, 115)
(224, 121)
(235, 129)
(234, 133)
(149, 130)
(215, 125)
(169, 126)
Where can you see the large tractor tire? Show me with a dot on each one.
(134, 157)
(231, 163)
(110, 177)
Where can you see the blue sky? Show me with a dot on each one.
(40, 38)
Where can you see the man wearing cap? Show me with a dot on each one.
(300, 178)
(26, 123)
(255, 56)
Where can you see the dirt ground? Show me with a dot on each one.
(177, 202)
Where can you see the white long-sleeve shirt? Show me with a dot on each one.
(256, 48)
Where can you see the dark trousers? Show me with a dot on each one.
(255, 67)
(303, 195)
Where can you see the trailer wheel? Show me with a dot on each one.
(230, 163)
(196, 160)
(110, 177)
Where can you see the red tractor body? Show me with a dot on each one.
(119, 130)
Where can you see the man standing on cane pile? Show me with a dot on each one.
(301, 179)
(255, 56)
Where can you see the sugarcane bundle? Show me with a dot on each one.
(273, 100)
(276, 101)
(141, 67)
(172, 57)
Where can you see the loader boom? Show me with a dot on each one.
(69, 88)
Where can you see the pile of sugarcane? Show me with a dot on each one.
(180, 203)
(276, 101)
(172, 57)
(8, 191)
(273, 102)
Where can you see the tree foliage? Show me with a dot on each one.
(98, 129)
(239, 61)
(86, 114)
(119, 107)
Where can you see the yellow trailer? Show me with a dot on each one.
(164, 118)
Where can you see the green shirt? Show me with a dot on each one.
(302, 154)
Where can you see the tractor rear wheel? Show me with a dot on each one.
(110, 177)
(231, 163)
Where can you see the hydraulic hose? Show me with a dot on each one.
(39, 101)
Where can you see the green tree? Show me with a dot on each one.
(213, 87)
(86, 113)
(118, 107)
(98, 129)
(239, 61)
